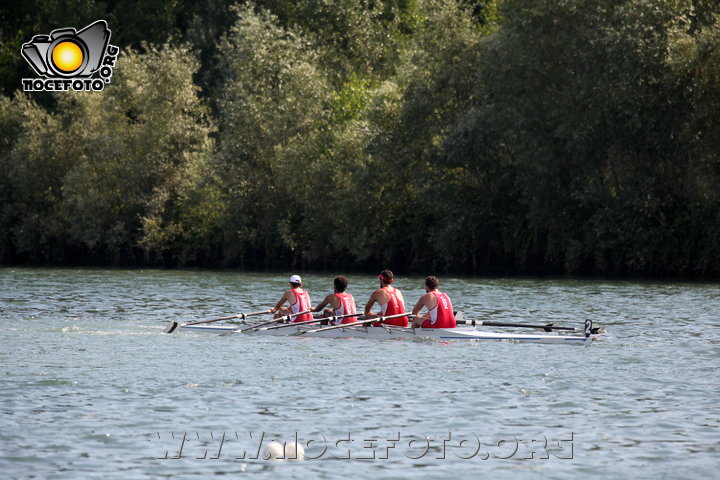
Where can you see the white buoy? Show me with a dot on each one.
(294, 451)
(274, 451)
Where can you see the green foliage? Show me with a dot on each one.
(100, 172)
(351, 36)
(350, 100)
(140, 135)
(466, 135)
(33, 164)
(592, 117)
(270, 112)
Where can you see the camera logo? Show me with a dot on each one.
(71, 60)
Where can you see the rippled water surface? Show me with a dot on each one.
(91, 387)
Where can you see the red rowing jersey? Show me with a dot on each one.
(347, 305)
(442, 315)
(302, 303)
(393, 307)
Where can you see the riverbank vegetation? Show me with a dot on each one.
(472, 136)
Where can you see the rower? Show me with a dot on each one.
(298, 299)
(390, 299)
(342, 303)
(440, 312)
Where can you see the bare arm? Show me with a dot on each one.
(371, 302)
(322, 304)
(428, 300)
(422, 302)
(281, 302)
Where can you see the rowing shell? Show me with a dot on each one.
(389, 332)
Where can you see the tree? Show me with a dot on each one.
(138, 139)
(270, 111)
(592, 117)
(34, 162)
(102, 174)
(413, 183)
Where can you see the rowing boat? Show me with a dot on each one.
(392, 332)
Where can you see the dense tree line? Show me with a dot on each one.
(477, 136)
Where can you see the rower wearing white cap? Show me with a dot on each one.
(298, 299)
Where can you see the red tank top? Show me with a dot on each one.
(393, 307)
(442, 315)
(302, 303)
(347, 305)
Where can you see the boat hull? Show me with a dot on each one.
(441, 334)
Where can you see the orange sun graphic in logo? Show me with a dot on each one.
(67, 56)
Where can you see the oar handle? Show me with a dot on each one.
(306, 322)
(381, 319)
(274, 320)
(244, 315)
(397, 315)
(525, 325)
(511, 324)
(333, 318)
(290, 315)
(230, 317)
(268, 310)
(547, 327)
(314, 320)
(359, 322)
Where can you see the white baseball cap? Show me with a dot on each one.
(295, 279)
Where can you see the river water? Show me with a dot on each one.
(91, 387)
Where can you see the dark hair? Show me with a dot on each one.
(295, 285)
(340, 283)
(432, 282)
(387, 276)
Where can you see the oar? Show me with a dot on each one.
(171, 328)
(315, 320)
(260, 327)
(547, 327)
(353, 324)
(274, 320)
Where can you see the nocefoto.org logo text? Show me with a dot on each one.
(69, 59)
